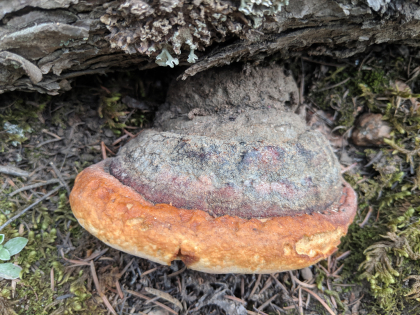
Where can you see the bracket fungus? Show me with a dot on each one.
(234, 189)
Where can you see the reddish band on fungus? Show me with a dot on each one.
(229, 177)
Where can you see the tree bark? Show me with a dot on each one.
(44, 44)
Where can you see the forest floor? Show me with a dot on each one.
(45, 141)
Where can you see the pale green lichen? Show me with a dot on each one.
(257, 9)
(165, 59)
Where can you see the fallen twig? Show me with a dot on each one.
(29, 207)
(280, 285)
(236, 299)
(48, 182)
(46, 142)
(155, 302)
(257, 283)
(266, 303)
(104, 157)
(367, 217)
(343, 255)
(334, 86)
(63, 182)
(99, 290)
(165, 296)
(348, 168)
(303, 284)
(14, 171)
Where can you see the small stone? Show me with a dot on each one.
(371, 130)
(306, 273)
(109, 133)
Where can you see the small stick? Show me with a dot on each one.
(334, 86)
(52, 279)
(119, 140)
(29, 207)
(14, 171)
(46, 142)
(109, 150)
(280, 285)
(165, 296)
(343, 255)
(335, 273)
(125, 269)
(367, 217)
(128, 133)
(320, 301)
(348, 168)
(292, 277)
(57, 172)
(120, 293)
(258, 311)
(236, 299)
(155, 302)
(265, 304)
(300, 302)
(51, 181)
(104, 157)
(375, 159)
(98, 288)
(50, 133)
(255, 286)
(149, 271)
(177, 272)
(303, 284)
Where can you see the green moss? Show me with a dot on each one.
(387, 249)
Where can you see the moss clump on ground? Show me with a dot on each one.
(386, 249)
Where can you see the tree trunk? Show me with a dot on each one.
(46, 43)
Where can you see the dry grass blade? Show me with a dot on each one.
(165, 296)
(99, 290)
(320, 301)
(155, 302)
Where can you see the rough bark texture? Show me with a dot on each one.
(46, 43)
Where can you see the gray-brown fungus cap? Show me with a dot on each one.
(263, 164)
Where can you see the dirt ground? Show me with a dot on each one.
(46, 141)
